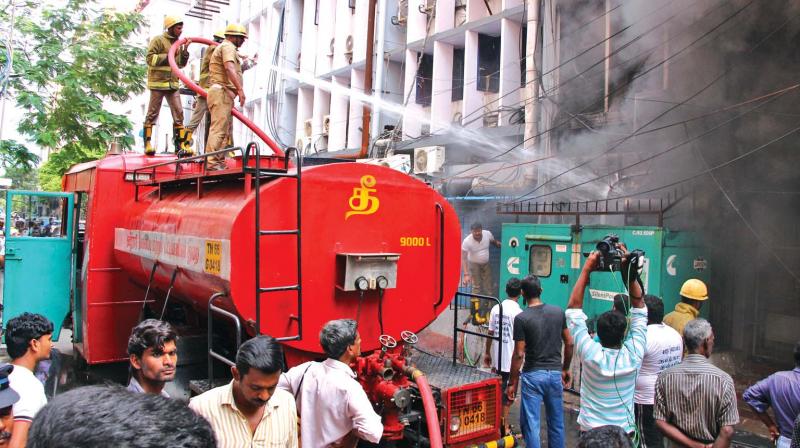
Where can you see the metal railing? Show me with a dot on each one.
(498, 338)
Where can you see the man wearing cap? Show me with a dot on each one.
(7, 399)
(693, 294)
(200, 110)
(163, 84)
(225, 79)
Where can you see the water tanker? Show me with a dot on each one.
(262, 248)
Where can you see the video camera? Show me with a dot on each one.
(610, 254)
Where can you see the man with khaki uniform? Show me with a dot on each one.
(200, 109)
(225, 79)
(163, 84)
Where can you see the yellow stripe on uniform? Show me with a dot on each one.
(154, 59)
(161, 68)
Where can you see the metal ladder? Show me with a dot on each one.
(258, 173)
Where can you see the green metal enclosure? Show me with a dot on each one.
(556, 253)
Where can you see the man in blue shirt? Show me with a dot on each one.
(781, 391)
(609, 366)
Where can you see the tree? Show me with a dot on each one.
(19, 164)
(69, 60)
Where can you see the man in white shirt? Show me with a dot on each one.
(664, 350)
(334, 409)
(510, 310)
(29, 338)
(475, 259)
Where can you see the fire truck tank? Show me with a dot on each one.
(377, 246)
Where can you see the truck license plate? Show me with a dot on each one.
(473, 415)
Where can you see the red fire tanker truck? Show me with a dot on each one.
(276, 245)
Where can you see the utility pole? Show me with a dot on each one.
(532, 73)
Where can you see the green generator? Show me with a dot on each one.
(556, 253)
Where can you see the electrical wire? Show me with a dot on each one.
(724, 73)
(660, 128)
(275, 78)
(747, 223)
(671, 148)
(618, 88)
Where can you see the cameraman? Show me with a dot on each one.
(610, 366)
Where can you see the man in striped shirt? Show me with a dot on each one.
(251, 411)
(610, 366)
(695, 402)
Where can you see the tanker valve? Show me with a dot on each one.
(401, 398)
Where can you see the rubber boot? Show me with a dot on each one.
(186, 144)
(177, 131)
(148, 134)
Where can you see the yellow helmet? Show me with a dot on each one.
(170, 21)
(694, 289)
(234, 29)
(219, 34)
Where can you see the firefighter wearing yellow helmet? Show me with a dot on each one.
(225, 80)
(200, 109)
(163, 84)
(693, 293)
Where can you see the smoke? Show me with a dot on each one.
(693, 85)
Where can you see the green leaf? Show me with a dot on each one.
(71, 57)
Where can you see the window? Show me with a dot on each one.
(457, 94)
(38, 216)
(541, 261)
(488, 63)
(424, 87)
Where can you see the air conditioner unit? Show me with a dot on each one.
(427, 7)
(326, 125)
(428, 159)
(398, 162)
(402, 13)
(348, 45)
(348, 49)
(491, 120)
(303, 144)
(307, 128)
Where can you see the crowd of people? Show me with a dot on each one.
(645, 377)
(260, 407)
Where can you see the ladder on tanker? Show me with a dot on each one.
(255, 175)
(258, 173)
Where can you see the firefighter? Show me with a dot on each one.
(164, 84)
(225, 79)
(201, 105)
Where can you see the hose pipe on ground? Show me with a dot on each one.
(505, 442)
(429, 405)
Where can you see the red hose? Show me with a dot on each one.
(190, 84)
(429, 405)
